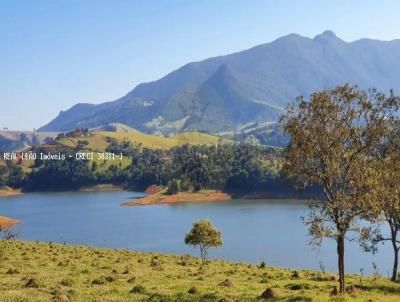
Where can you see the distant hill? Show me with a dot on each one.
(227, 92)
(115, 127)
(21, 140)
(267, 134)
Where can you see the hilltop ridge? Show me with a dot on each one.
(226, 92)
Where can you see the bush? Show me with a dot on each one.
(137, 289)
(174, 187)
(32, 283)
(99, 281)
(66, 282)
(193, 290)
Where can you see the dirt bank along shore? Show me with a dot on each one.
(6, 223)
(163, 198)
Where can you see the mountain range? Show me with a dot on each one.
(242, 89)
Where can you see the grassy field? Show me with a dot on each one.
(100, 140)
(53, 272)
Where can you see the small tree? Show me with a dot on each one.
(204, 235)
(3, 174)
(332, 136)
(94, 166)
(16, 176)
(174, 186)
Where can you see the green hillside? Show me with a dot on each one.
(98, 141)
(38, 272)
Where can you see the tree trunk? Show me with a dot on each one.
(202, 253)
(393, 231)
(340, 252)
(395, 263)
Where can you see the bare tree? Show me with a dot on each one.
(9, 233)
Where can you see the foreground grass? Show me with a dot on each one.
(52, 272)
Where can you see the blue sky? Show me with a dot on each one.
(54, 54)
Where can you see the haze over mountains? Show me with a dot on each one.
(245, 88)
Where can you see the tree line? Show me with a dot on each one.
(233, 167)
(11, 175)
(191, 168)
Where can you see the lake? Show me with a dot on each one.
(253, 231)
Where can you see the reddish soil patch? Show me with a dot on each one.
(9, 192)
(6, 223)
(153, 189)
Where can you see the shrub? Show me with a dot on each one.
(192, 290)
(66, 282)
(174, 187)
(98, 281)
(138, 289)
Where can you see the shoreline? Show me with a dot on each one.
(6, 222)
(206, 195)
(7, 191)
(182, 197)
(158, 195)
(94, 188)
(102, 188)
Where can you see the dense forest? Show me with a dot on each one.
(231, 167)
(11, 174)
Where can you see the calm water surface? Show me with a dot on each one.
(253, 231)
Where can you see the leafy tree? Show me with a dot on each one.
(247, 171)
(61, 174)
(16, 176)
(149, 167)
(384, 186)
(125, 147)
(3, 174)
(81, 144)
(94, 166)
(204, 235)
(331, 137)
